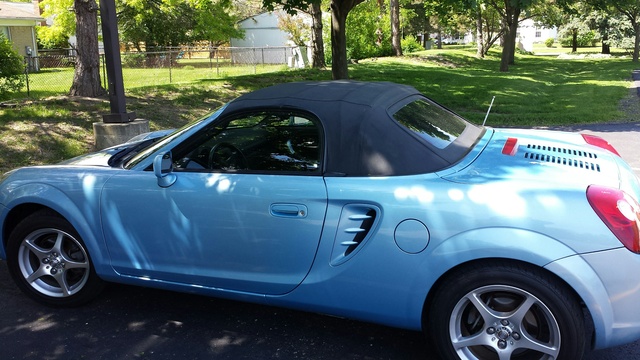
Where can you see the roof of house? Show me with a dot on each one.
(18, 11)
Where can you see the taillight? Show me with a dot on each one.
(599, 142)
(619, 211)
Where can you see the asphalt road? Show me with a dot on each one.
(135, 323)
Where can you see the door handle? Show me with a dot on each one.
(289, 210)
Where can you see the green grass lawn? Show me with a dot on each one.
(556, 48)
(537, 91)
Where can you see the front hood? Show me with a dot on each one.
(116, 155)
(98, 158)
(542, 156)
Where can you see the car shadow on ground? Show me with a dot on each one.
(128, 322)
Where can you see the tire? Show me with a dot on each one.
(49, 262)
(505, 311)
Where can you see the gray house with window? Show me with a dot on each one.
(18, 22)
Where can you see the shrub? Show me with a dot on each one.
(585, 39)
(549, 42)
(368, 32)
(11, 68)
(133, 60)
(410, 44)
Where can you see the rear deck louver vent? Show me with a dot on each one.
(354, 228)
(563, 156)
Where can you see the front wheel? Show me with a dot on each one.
(505, 311)
(49, 262)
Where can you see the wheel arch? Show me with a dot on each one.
(15, 215)
(523, 248)
(530, 277)
(450, 274)
(23, 204)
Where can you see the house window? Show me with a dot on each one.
(4, 30)
(538, 33)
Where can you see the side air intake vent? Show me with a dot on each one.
(354, 228)
(562, 156)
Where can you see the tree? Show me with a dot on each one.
(368, 31)
(63, 26)
(301, 35)
(418, 23)
(615, 30)
(243, 9)
(171, 23)
(577, 32)
(570, 17)
(11, 68)
(490, 28)
(339, 11)
(82, 21)
(394, 12)
(629, 9)
(473, 14)
(605, 25)
(86, 77)
(317, 42)
(510, 11)
(50, 38)
(214, 21)
(607, 20)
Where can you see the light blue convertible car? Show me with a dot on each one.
(361, 200)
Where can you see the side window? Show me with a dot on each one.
(265, 141)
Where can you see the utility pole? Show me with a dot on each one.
(120, 125)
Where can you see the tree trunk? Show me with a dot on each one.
(396, 43)
(86, 78)
(339, 11)
(510, 26)
(606, 48)
(574, 40)
(514, 35)
(317, 42)
(479, 34)
(506, 52)
(636, 48)
(379, 36)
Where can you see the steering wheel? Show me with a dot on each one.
(226, 156)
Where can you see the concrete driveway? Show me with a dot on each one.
(625, 137)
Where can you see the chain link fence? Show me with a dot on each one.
(51, 73)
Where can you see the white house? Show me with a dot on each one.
(262, 31)
(264, 42)
(529, 34)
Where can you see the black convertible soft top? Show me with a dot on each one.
(361, 138)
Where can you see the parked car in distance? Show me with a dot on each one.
(363, 200)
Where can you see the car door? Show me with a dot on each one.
(245, 212)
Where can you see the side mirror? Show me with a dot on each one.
(163, 168)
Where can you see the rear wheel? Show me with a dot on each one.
(506, 311)
(49, 262)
